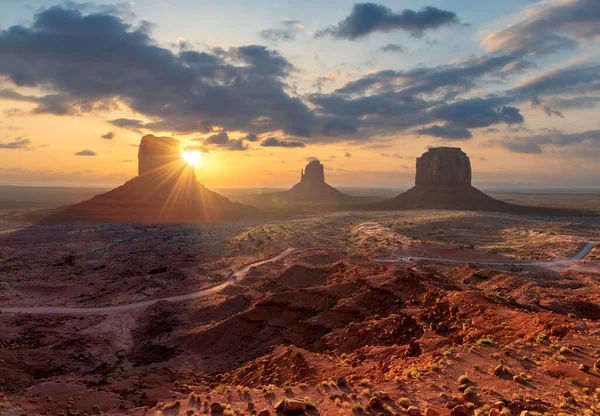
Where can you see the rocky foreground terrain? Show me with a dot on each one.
(326, 330)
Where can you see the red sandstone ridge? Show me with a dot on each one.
(312, 189)
(443, 181)
(165, 191)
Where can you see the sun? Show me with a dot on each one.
(193, 157)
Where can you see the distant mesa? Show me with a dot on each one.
(165, 191)
(443, 181)
(312, 189)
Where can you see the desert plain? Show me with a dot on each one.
(336, 313)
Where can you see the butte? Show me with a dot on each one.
(312, 190)
(443, 181)
(165, 191)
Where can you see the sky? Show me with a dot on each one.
(262, 87)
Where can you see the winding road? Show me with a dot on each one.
(240, 275)
(373, 228)
(368, 228)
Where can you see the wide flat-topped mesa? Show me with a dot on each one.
(443, 165)
(443, 181)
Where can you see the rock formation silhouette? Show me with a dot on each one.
(443, 166)
(312, 189)
(443, 181)
(165, 191)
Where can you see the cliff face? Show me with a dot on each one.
(158, 153)
(443, 166)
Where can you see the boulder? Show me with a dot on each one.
(443, 166)
(459, 410)
(294, 406)
(375, 403)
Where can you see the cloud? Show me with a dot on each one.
(17, 144)
(393, 48)
(221, 140)
(574, 79)
(456, 77)
(367, 18)
(108, 136)
(557, 138)
(477, 112)
(393, 155)
(251, 137)
(347, 154)
(94, 59)
(447, 132)
(275, 142)
(127, 123)
(86, 153)
(556, 26)
(287, 32)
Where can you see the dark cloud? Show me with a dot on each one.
(536, 143)
(109, 136)
(447, 132)
(221, 140)
(127, 123)
(557, 26)
(17, 144)
(367, 18)
(287, 32)
(550, 112)
(86, 153)
(251, 137)
(575, 79)
(392, 47)
(456, 77)
(477, 112)
(275, 142)
(347, 154)
(96, 58)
